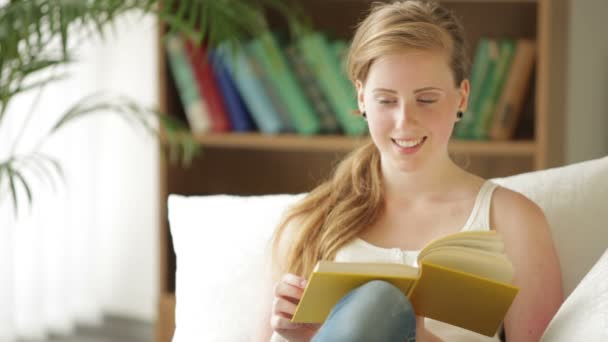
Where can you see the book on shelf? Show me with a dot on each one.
(240, 118)
(492, 89)
(207, 86)
(265, 49)
(194, 106)
(509, 108)
(483, 63)
(322, 61)
(312, 90)
(464, 279)
(243, 71)
(268, 89)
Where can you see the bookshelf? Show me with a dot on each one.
(251, 163)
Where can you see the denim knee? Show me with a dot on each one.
(375, 311)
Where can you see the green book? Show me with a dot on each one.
(483, 64)
(321, 59)
(493, 89)
(310, 85)
(265, 49)
(340, 48)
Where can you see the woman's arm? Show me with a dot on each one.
(529, 246)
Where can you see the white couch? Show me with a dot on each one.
(220, 243)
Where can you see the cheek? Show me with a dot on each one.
(379, 121)
(441, 125)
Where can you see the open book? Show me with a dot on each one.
(464, 280)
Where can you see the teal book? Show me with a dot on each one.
(251, 88)
(265, 49)
(187, 87)
(493, 90)
(340, 50)
(483, 64)
(312, 90)
(268, 88)
(322, 61)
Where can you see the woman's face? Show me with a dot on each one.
(411, 103)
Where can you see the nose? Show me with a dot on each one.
(405, 116)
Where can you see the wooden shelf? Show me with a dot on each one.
(336, 143)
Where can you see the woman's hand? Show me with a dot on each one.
(287, 294)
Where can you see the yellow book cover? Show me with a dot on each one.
(464, 279)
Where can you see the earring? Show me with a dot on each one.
(459, 114)
(364, 115)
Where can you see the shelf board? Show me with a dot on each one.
(337, 143)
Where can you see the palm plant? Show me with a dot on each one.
(38, 36)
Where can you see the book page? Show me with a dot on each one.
(370, 269)
(485, 264)
(485, 240)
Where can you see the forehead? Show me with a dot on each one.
(415, 67)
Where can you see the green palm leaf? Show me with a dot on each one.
(38, 35)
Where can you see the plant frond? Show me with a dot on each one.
(24, 184)
(37, 165)
(179, 137)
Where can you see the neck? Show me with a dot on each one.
(421, 183)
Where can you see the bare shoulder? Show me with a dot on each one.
(529, 246)
(513, 212)
(520, 221)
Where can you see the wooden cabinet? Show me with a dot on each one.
(249, 164)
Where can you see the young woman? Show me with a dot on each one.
(389, 198)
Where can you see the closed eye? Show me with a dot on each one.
(386, 102)
(427, 101)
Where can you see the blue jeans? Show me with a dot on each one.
(375, 311)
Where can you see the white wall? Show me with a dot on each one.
(587, 89)
(129, 181)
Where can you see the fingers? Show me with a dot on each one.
(283, 307)
(287, 294)
(290, 286)
(281, 323)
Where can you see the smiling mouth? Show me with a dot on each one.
(410, 143)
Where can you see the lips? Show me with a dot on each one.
(409, 145)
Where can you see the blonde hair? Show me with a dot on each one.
(335, 212)
(403, 25)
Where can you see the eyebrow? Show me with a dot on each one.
(427, 88)
(415, 91)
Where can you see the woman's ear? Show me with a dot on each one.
(360, 97)
(465, 89)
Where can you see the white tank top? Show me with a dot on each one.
(359, 250)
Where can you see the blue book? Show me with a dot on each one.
(252, 90)
(240, 117)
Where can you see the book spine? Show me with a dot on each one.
(509, 107)
(252, 90)
(482, 65)
(495, 86)
(340, 49)
(266, 50)
(207, 86)
(311, 88)
(272, 92)
(323, 63)
(240, 117)
(183, 74)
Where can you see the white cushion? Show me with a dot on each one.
(584, 315)
(220, 241)
(574, 200)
